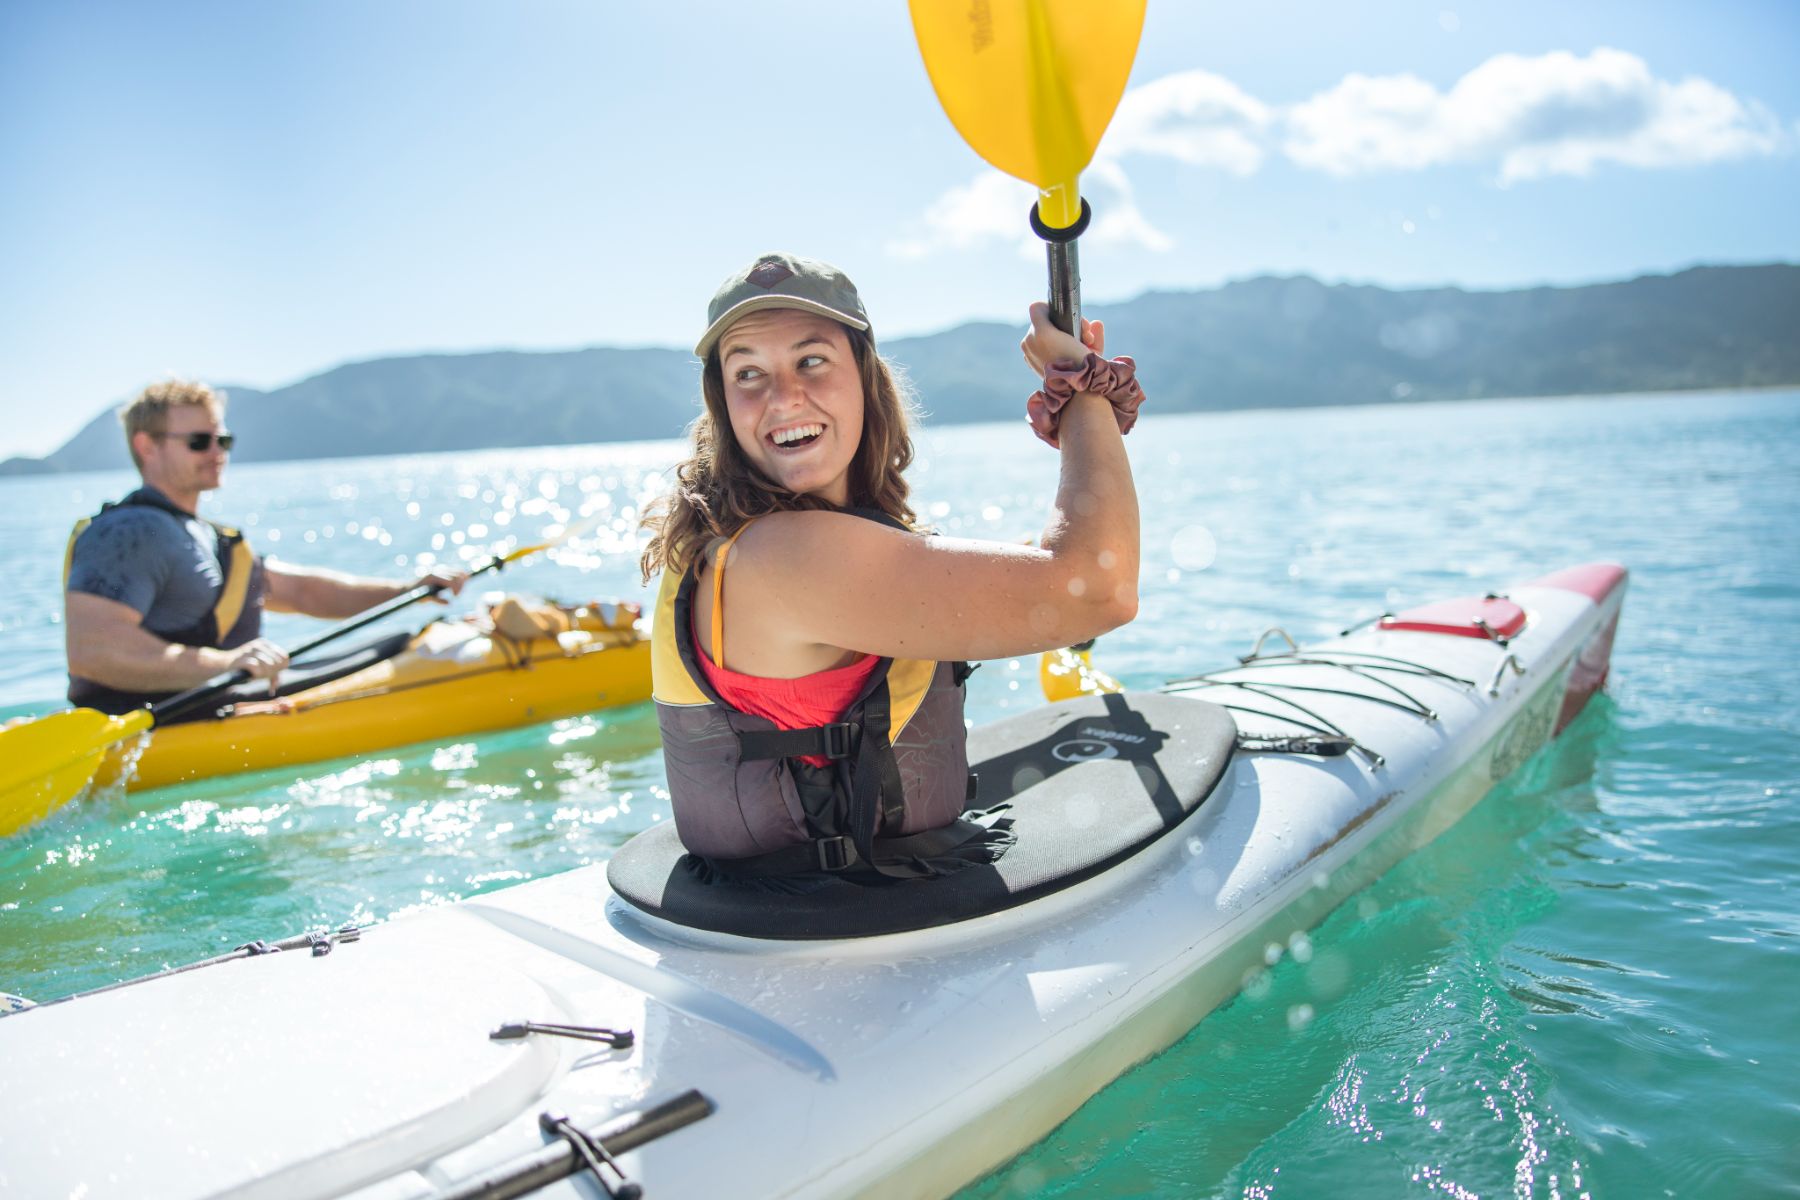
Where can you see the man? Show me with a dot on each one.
(158, 600)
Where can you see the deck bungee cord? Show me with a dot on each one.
(1323, 736)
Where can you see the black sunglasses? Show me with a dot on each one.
(201, 442)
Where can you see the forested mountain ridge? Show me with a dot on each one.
(1259, 343)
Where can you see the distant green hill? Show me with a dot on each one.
(1259, 343)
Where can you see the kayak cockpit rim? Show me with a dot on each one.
(1087, 784)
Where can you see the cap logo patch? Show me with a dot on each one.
(768, 274)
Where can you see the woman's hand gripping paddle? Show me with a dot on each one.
(1031, 85)
(45, 763)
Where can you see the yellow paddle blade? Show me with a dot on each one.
(1031, 84)
(513, 556)
(1066, 674)
(579, 529)
(45, 763)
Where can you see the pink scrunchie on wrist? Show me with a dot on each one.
(1115, 379)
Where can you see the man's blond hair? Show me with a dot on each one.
(148, 411)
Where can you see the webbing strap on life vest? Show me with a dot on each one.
(897, 856)
(877, 798)
(834, 741)
(893, 791)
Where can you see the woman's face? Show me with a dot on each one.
(795, 397)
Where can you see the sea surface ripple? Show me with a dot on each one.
(1586, 988)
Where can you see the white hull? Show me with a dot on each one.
(900, 1065)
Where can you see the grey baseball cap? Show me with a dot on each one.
(782, 281)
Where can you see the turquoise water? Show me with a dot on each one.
(1585, 988)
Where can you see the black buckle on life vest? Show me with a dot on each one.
(828, 741)
(840, 739)
(834, 853)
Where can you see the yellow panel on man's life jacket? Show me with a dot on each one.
(238, 569)
(69, 550)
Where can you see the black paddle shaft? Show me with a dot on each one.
(218, 685)
(1065, 268)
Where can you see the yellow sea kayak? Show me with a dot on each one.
(514, 664)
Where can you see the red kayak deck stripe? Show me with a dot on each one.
(1466, 616)
(1596, 580)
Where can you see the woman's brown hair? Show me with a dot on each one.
(717, 490)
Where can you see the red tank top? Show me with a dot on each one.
(803, 703)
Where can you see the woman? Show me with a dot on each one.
(826, 734)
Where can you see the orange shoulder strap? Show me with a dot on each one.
(718, 612)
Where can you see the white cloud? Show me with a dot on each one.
(990, 207)
(1555, 114)
(993, 208)
(1194, 117)
(1521, 117)
(1117, 218)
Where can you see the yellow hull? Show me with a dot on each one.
(453, 680)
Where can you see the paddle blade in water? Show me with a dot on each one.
(45, 763)
(1031, 84)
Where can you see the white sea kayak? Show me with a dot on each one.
(705, 1040)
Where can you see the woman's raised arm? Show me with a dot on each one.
(821, 579)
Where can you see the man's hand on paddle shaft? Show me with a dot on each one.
(260, 659)
(446, 581)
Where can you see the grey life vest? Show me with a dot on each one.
(889, 803)
(235, 617)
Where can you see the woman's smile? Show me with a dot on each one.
(796, 437)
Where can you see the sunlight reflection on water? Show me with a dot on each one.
(1505, 1013)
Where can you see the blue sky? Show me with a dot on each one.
(252, 193)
